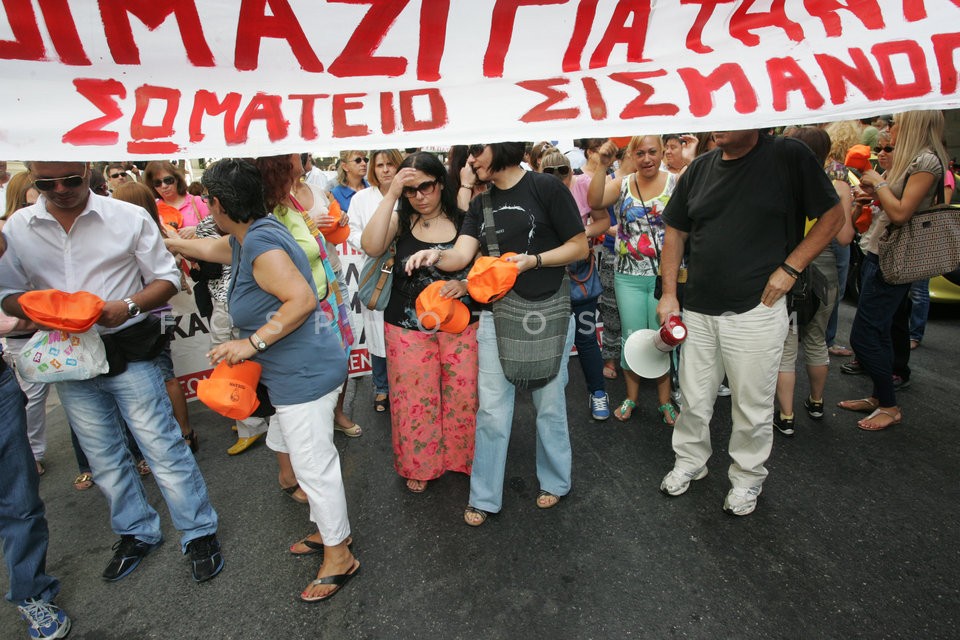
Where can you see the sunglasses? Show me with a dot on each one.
(424, 189)
(477, 149)
(169, 181)
(886, 149)
(562, 170)
(114, 176)
(361, 160)
(70, 182)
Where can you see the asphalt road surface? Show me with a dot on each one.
(855, 535)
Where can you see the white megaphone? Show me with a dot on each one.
(647, 352)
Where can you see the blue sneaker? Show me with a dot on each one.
(599, 405)
(46, 619)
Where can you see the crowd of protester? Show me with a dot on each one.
(717, 226)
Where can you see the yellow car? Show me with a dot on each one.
(946, 288)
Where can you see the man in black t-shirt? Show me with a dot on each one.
(735, 207)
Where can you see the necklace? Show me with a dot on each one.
(425, 222)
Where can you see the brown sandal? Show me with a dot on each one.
(863, 405)
(474, 517)
(547, 500)
(83, 481)
(867, 423)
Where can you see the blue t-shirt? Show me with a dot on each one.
(344, 194)
(309, 362)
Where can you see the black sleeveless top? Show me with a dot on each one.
(401, 311)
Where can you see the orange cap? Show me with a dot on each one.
(858, 157)
(231, 390)
(169, 215)
(443, 314)
(76, 312)
(491, 278)
(335, 233)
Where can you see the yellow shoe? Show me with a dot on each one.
(243, 444)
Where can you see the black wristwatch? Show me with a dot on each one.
(133, 309)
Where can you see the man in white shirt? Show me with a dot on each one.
(74, 240)
(312, 175)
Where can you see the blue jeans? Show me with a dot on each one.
(495, 420)
(870, 334)
(842, 254)
(920, 295)
(23, 524)
(84, 465)
(97, 409)
(378, 365)
(588, 349)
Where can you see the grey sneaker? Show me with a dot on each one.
(724, 391)
(678, 481)
(741, 501)
(46, 619)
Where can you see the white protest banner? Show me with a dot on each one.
(104, 80)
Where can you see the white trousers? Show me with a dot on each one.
(305, 431)
(36, 393)
(747, 348)
(221, 330)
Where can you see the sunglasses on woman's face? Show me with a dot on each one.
(886, 149)
(70, 182)
(477, 149)
(168, 180)
(424, 189)
(361, 160)
(563, 171)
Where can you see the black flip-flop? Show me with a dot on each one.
(339, 581)
(315, 547)
(381, 405)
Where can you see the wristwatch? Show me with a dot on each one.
(133, 309)
(258, 342)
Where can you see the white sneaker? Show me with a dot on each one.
(678, 481)
(741, 501)
(723, 391)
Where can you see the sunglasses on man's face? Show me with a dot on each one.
(361, 160)
(114, 176)
(886, 149)
(70, 182)
(563, 171)
(424, 189)
(168, 180)
(477, 149)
